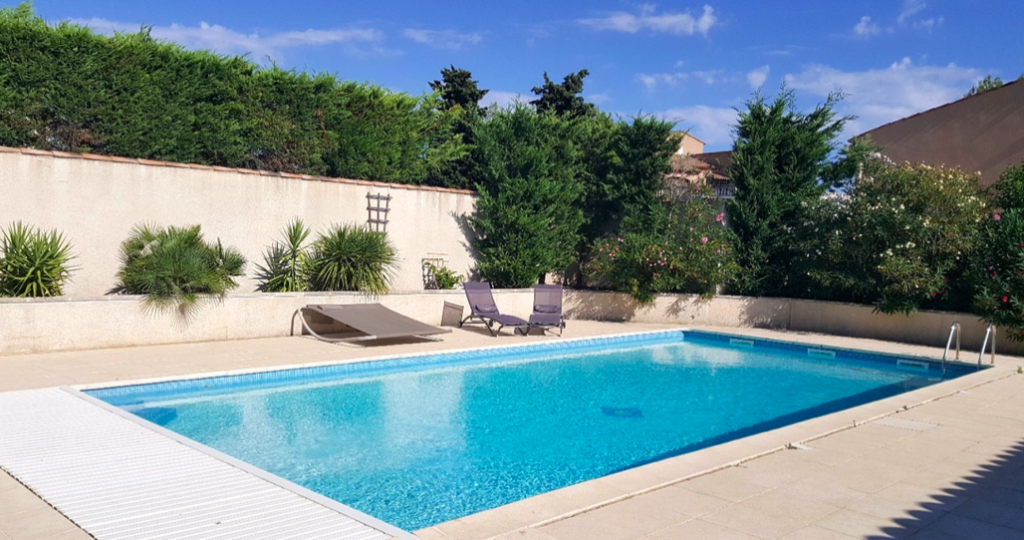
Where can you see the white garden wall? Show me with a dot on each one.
(96, 200)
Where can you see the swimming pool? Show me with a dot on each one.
(417, 441)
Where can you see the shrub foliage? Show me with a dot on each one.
(33, 262)
(898, 239)
(684, 247)
(351, 258)
(176, 266)
(63, 87)
(285, 262)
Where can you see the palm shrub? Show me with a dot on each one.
(174, 265)
(284, 262)
(351, 258)
(33, 262)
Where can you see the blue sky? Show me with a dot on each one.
(687, 61)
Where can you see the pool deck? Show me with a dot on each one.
(942, 462)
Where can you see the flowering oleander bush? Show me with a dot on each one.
(997, 272)
(686, 248)
(898, 239)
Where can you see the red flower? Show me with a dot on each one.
(933, 295)
(1005, 298)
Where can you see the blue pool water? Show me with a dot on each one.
(422, 440)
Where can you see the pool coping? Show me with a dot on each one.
(563, 503)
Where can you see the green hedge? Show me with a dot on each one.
(64, 87)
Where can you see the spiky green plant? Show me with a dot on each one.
(33, 262)
(284, 262)
(352, 258)
(175, 266)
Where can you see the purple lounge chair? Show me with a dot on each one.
(482, 308)
(547, 308)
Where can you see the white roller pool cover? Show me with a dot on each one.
(120, 480)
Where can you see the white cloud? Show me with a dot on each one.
(442, 39)
(712, 125)
(599, 98)
(930, 24)
(501, 98)
(879, 96)
(865, 28)
(648, 19)
(910, 8)
(758, 76)
(224, 40)
(708, 77)
(653, 80)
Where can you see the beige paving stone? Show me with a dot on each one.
(528, 534)
(906, 514)
(13, 501)
(754, 522)
(953, 526)
(36, 524)
(825, 489)
(817, 533)
(861, 525)
(8, 482)
(697, 529)
(788, 502)
(592, 525)
(728, 484)
(781, 468)
(992, 512)
(686, 502)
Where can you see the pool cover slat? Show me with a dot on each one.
(114, 478)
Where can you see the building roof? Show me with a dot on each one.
(983, 133)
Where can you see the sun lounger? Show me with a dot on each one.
(363, 322)
(483, 309)
(547, 308)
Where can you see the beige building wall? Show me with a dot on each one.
(690, 145)
(96, 201)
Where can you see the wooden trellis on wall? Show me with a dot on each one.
(377, 208)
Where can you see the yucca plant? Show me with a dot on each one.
(284, 262)
(176, 266)
(33, 262)
(352, 258)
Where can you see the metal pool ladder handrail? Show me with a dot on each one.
(954, 329)
(991, 331)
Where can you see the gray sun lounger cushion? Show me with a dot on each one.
(483, 309)
(373, 320)
(547, 307)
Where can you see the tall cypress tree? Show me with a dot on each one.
(780, 164)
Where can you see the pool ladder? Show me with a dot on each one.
(991, 331)
(954, 332)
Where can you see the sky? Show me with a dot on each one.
(689, 62)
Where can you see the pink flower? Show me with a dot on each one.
(720, 217)
(996, 217)
(704, 240)
(1005, 298)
